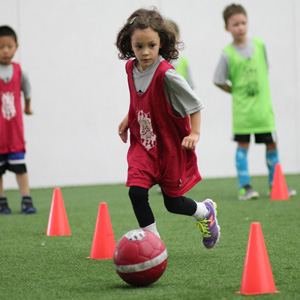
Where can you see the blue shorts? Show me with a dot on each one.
(14, 162)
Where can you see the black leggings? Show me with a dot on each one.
(139, 197)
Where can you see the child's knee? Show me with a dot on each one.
(137, 194)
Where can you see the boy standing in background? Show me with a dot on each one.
(12, 143)
(243, 72)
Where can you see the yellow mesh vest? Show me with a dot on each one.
(182, 66)
(252, 110)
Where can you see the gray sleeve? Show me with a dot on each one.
(222, 71)
(25, 85)
(182, 98)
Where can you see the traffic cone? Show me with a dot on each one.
(257, 276)
(58, 222)
(104, 242)
(279, 188)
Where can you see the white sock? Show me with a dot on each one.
(152, 227)
(201, 211)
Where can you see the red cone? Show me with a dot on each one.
(58, 222)
(104, 242)
(257, 276)
(279, 188)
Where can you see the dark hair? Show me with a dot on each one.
(143, 19)
(8, 31)
(232, 10)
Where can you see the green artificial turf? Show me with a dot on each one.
(36, 266)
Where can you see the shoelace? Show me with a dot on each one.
(202, 225)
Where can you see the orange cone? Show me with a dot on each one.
(257, 276)
(279, 188)
(104, 242)
(58, 222)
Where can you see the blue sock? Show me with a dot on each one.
(272, 159)
(242, 166)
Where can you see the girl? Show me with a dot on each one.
(162, 139)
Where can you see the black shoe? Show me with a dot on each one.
(4, 209)
(27, 206)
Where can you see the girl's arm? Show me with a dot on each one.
(190, 141)
(123, 129)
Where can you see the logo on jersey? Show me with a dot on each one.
(252, 83)
(146, 131)
(8, 106)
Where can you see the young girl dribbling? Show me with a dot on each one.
(162, 138)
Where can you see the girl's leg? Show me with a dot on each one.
(185, 206)
(139, 197)
(204, 212)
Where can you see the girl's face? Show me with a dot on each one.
(8, 48)
(145, 44)
(237, 25)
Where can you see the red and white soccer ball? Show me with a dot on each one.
(140, 257)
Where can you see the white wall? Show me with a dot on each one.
(80, 92)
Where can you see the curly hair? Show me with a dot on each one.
(143, 19)
(232, 10)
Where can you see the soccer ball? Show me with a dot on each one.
(140, 257)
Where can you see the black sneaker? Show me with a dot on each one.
(4, 209)
(27, 206)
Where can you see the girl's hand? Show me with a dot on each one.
(123, 129)
(190, 141)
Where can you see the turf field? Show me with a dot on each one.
(36, 266)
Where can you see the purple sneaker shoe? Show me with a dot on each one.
(209, 227)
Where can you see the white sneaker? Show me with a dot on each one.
(291, 192)
(247, 193)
